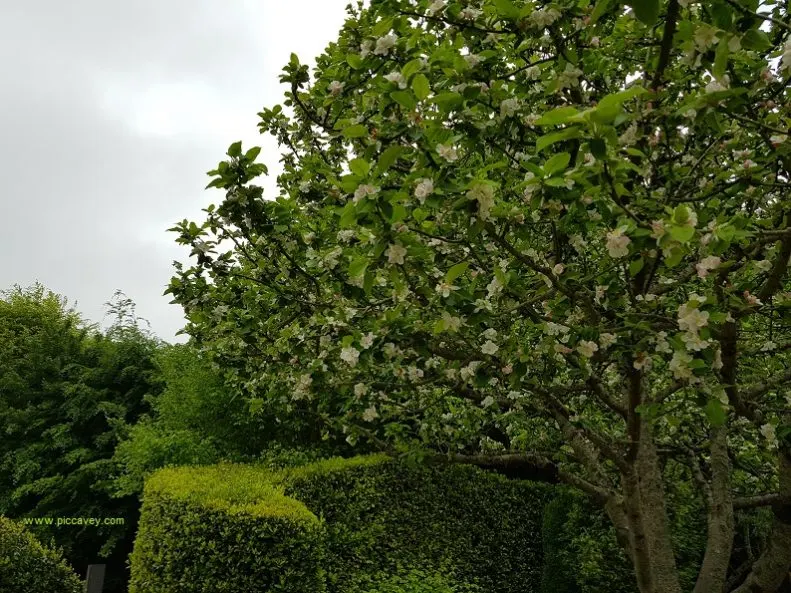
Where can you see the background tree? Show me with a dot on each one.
(67, 392)
(544, 238)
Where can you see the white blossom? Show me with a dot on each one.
(707, 264)
(544, 17)
(385, 44)
(452, 323)
(508, 107)
(390, 350)
(785, 60)
(768, 432)
(448, 153)
(587, 348)
(363, 191)
(444, 288)
(764, 265)
(484, 194)
(360, 389)
(470, 14)
(679, 365)
(617, 243)
(367, 340)
(397, 78)
(691, 319)
(423, 189)
(489, 347)
(336, 88)
(718, 85)
(435, 7)
(606, 340)
(365, 47)
(395, 253)
(490, 333)
(370, 414)
(487, 401)
(350, 355)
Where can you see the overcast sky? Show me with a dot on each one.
(110, 115)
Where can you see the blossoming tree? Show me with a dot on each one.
(530, 235)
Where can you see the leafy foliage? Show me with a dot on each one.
(26, 565)
(381, 525)
(67, 392)
(554, 235)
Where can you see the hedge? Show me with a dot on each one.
(27, 565)
(361, 525)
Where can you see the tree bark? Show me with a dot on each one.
(653, 512)
(720, 522)
(773, 565)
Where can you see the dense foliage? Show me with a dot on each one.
(67, 393)
(346, 525)
(194, 420)
(524, 234)
(26, 565)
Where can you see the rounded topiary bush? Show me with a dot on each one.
(27, 565)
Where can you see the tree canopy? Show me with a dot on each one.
(542, 236)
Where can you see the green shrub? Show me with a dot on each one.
(581, 553)
(338, 525)
(419, 581)
(26, 565)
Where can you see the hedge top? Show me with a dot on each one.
(255, 490)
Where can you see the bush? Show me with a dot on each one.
(26, 565)
(338, 525)
(581, 553)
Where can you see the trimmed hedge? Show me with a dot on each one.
(361, 525)
(27, 565)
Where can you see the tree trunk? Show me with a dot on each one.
(651, 549)
(772, 567)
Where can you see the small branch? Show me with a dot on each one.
(760, 500)
(667, 42)
(759, 15)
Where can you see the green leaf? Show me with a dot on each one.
(253, 153)
(598, 148)
(405, 99)
(355, 61)
(557, 163)
(721, 58)
(682, 234)
(388, 158)
(646, 11)
(756, 40)
(636, 266)
(398, 214)
(359, 166)
(357, 267)
(507, 9)
(675, 257)
(411, 67)
(557, 116)
(715, 412)
(456, 271)
(602, 6)
(680, 214)
(235, 150)
(421, 86)
(368, 282)
(447, 100)
(722, 15)
(355, 131)
(552, 137)
(348, 215)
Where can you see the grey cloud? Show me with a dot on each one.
(110, 115)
